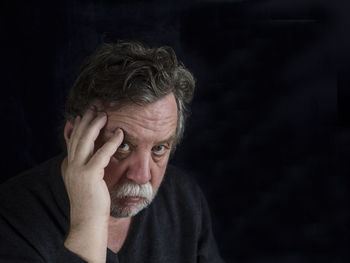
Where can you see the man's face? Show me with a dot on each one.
(136, 170)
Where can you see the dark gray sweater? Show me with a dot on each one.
(34, 220)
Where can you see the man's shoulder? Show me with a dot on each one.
(180, 191)
(177, 178)
(32, 211)
(33, 177)
(31, 188)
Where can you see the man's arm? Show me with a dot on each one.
(207, 248)
(83, 172)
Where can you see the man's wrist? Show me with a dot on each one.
(89, 241)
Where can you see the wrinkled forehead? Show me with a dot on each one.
(156, 118)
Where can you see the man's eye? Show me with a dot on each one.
(159, 149)
(123, 147)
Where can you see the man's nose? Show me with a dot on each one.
(139, 169)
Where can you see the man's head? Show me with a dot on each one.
(145, 92)
(131, 73)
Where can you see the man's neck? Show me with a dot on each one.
(117, 232)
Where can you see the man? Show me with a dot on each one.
(124, 116)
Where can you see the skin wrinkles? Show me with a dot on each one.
(152, 118)
(145, 121)
(145, 127)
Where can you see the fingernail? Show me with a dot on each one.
(93, 108)
(117, 131)
(102, 114)
(76, 119)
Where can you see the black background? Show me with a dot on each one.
(269, 135)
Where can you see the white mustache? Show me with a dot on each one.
(134, 190)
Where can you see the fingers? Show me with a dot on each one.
(72, 135)
(103, 155)
(85, 146)
(79, 129)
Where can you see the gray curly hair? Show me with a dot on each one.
(131, 72)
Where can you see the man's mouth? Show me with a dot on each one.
(131, 199)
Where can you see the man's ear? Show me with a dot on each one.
(67, 132)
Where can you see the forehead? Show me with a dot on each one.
(158, 119)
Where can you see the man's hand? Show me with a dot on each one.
(82, 173)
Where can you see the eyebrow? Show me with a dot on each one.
(168, 140)
(128, 137)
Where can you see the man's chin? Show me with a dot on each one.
(128, 208)
(121, 213)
